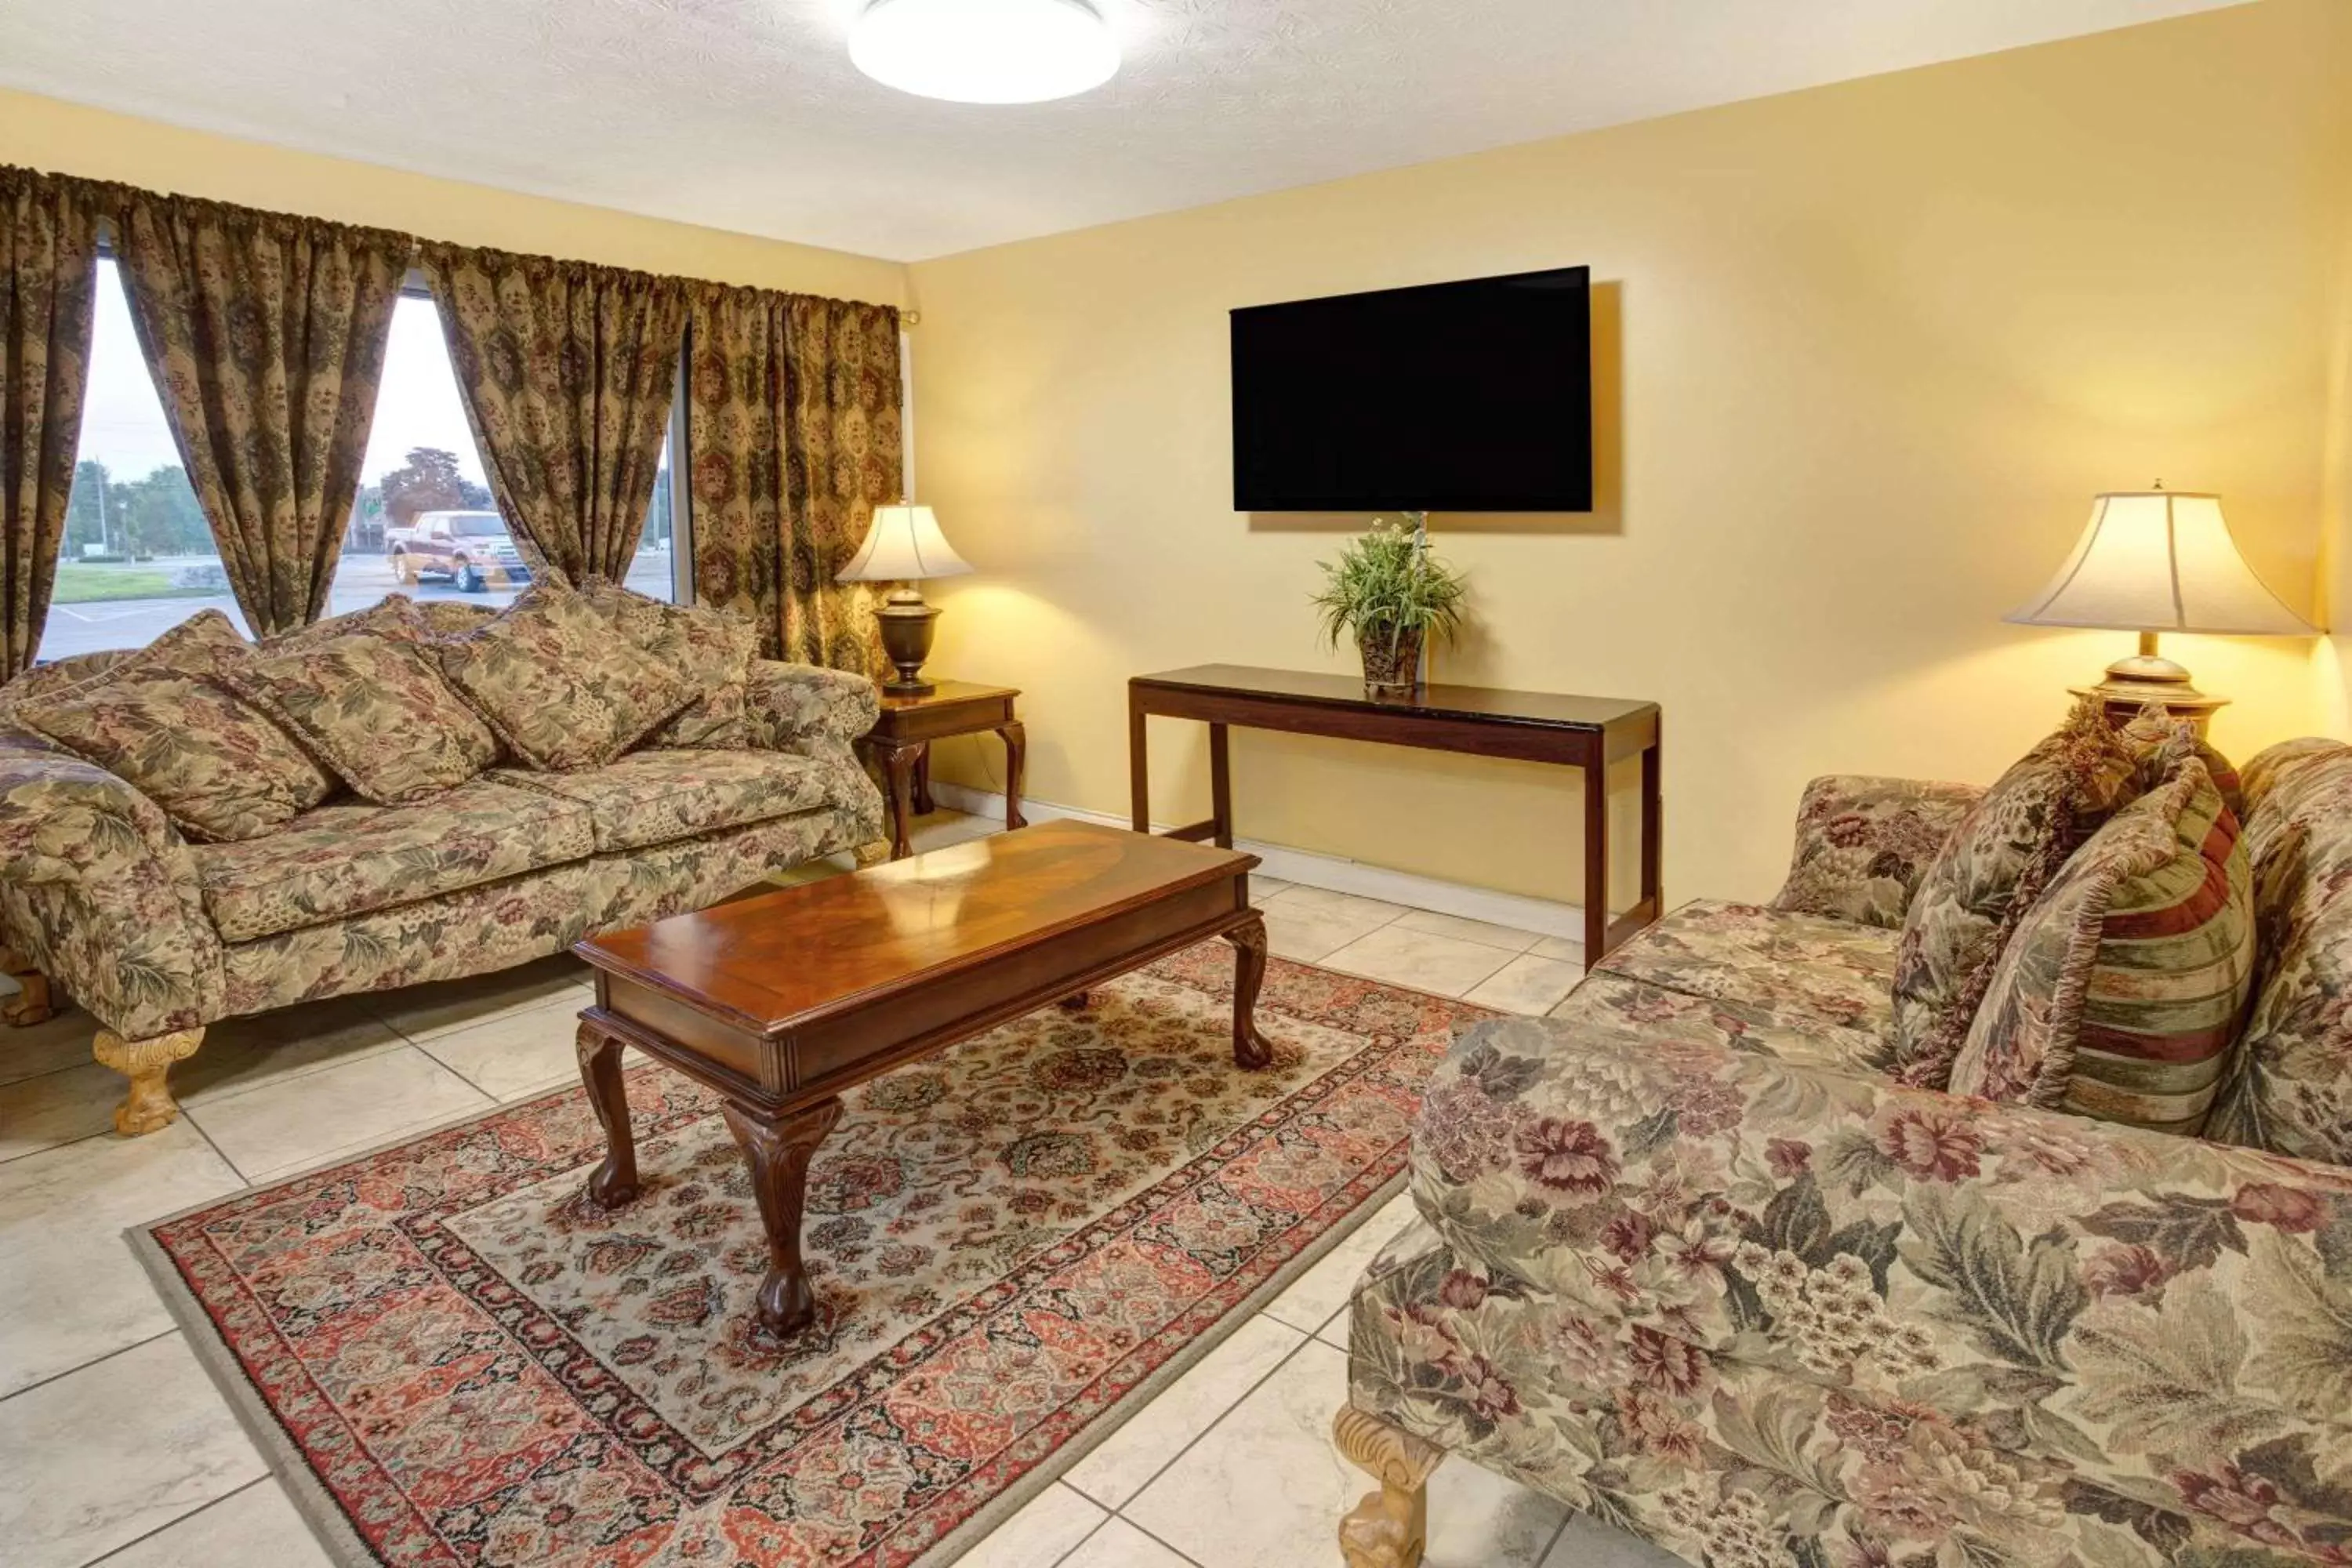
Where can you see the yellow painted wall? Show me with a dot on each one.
(66, 138)
(1866, 353)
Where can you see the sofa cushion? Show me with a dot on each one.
(219, 767)
(1633, 1012)
(2289, 1086)
(1771, 969)
(652, 797)
(395, 616)
(352, 857)
(561, 685)
(55, 676)
(711, 648)
(1987, 874)
(2120, 993)
(376, 710)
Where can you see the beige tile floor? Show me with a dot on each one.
(115, 1446)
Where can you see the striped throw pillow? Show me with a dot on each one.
(2120, 993)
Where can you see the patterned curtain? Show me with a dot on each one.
(567, 372)
(48, 277)
(266, 334)
(792, 418)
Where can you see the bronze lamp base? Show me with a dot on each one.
(2147, 677)
(906, 630)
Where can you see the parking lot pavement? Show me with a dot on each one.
(361, 581)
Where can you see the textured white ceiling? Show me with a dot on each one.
(746, 114)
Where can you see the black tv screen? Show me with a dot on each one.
(1473, 396)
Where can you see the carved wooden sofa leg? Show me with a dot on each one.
(1389, 1527)
(149, 1107)
(33, 1004)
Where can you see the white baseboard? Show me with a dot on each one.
(1309, 869)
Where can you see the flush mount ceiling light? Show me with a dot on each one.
(984, 51)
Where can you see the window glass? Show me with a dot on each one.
(136, 558)
(654, 572)
(425, 524)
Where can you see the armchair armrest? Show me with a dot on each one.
(797, 702)
(98, 888)
(2168, 1313)
(1863, 844)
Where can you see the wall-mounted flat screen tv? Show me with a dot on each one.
(1473, 396)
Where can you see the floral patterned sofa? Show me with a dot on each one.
(157, 934)
(1689, 1260)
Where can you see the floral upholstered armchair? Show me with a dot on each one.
(1692, 1260)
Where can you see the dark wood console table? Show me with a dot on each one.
(1584, 733)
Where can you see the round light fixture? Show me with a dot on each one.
(984, 51)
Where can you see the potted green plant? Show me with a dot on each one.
(1389, 593)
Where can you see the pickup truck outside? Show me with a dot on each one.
(471, 548)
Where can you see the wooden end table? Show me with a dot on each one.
(782, 1002)
(901, 741)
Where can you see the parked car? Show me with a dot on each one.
(471, 548)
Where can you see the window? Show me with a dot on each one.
(425, 523)
(138, 558)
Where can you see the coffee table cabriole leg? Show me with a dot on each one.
(1251, 1049)
(615, 1181)
(778, 1149)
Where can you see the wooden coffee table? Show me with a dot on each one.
(780, 1002)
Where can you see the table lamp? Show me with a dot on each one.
(2151, 561)
(904, 545)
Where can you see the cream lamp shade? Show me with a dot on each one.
(2151, 561)
(904, 545)
(2159, 561)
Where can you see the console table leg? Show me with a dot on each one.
(1016, 764)
(1251, 1049)
(1653, 833)
(1596, 860)
(1221, 787)
(1138, 770)
(779, 1149)
(615, 1182)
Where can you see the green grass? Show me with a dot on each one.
(82, 585)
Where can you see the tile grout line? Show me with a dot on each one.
(1551, 1543)
(1181, 1557)
(218, 1152)
(49, 1148)
(1231, 1407)
(1076, 1546)
(113, 1552)
(1177, 1457)
(85, 1366)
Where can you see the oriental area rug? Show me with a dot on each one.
(456, 1359)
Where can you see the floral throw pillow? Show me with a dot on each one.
(376, 710)
(395, 616)
(1994, 867)
(711, 648)
(561, 686)
(2121, 992)
(220, 769)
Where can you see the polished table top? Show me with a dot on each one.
(1546, 708)
(801, 953)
